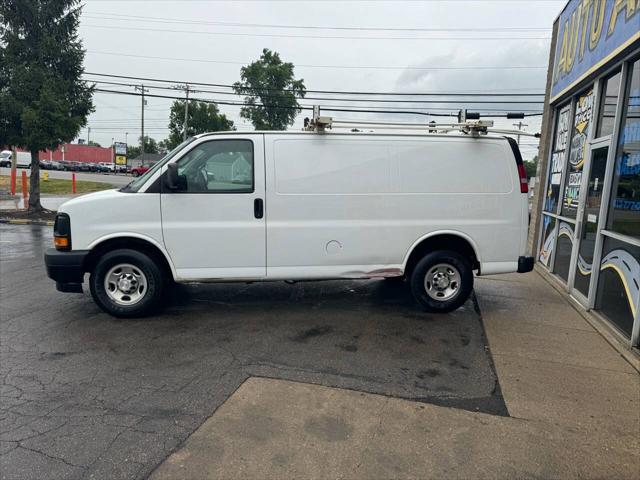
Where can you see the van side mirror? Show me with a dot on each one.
(175, 181)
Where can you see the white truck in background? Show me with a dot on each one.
(23, 159)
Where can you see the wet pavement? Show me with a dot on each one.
(85, 395)
(17, 203)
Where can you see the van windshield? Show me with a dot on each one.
(135, 184)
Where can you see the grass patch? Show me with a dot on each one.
(56, 186)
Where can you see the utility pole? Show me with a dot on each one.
(142, 90)
(186, 113)
(519, 125)
(88, 135)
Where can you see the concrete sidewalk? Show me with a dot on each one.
(574, 406)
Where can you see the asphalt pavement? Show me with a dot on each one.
(85, 395)
(120, 179)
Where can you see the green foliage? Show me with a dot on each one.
(203, 117)
(271, 92)
(531, 167)
(91, 143)
(133, 151)
(43, 100)
(150, 146)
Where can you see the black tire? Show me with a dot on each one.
(134, 173)
(427, 266)
(150, 297)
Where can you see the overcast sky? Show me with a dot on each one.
(455, 46)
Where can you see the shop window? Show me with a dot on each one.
(548, 240)
(564, 246)
(619, 283)
(608, 103)
(552, 193)
(577, 153)
(624, 213)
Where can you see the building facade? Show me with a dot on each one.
(585, 230)
(78, 153)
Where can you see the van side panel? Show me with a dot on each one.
(353, 206)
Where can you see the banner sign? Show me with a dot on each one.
(590, 32)
(121, 160)
(120, 148)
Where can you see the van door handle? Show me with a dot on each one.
(258, 208)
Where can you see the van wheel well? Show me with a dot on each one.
(442, 242)
(132, 243)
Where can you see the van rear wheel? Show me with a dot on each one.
(126, 283)
(442, 281)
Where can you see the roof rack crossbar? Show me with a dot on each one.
(475, 127)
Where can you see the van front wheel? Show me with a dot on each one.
(126, 283)
(442, 281)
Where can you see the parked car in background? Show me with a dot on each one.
(5, 158)
(106, 167)
(122, 169)
(71, 166)
(139, 170)
(45, 164)
(54, 165)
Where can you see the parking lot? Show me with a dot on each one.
(87, 395)
(120, 179)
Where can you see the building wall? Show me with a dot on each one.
(79, 153)
(546, 137)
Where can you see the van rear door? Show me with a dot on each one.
(215, 227)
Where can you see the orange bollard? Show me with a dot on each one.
(73, 182)
(13, 181)
(25, 192)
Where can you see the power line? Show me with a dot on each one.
(110, 16)
(368, 100)
(356, 67)
(302, 107)
(310, 37)
(335, 92)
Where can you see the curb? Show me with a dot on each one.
(26, 221)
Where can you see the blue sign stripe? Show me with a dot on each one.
(590, 31)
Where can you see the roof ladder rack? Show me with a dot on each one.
(468, 123)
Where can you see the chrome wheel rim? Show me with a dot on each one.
(442, 282)
(125, 284)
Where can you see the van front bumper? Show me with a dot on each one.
(525, 264)
(66, 268)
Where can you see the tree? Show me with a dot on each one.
(271, 92)
(43, 100)
(91, 143)
(133, 151)
(203, 117)
(531, 166)
(150, 146)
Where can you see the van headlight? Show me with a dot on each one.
(62, 232)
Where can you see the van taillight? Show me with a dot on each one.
(524, 185)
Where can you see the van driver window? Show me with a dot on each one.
(219, 166)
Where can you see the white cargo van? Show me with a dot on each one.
(237, 206)
(23, 159)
